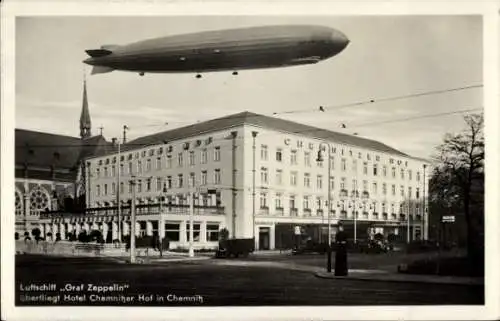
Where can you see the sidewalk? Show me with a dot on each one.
(377, 275)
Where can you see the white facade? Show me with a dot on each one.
(290, 185)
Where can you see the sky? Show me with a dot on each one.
(387, 56)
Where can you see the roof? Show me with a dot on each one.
(249, 118)
(42, 150)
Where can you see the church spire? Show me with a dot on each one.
(85, 124)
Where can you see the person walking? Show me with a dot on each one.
(341, 252)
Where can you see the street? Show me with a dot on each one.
(221, 284)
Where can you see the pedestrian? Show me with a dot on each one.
(341, 252)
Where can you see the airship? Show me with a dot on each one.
(222, 50)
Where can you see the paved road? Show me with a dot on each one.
(220, 284)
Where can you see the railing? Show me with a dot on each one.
(279, 211)
(264, 211)
(307, 212)
(141, 209)
(294, 212)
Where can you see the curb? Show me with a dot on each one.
(391, 277)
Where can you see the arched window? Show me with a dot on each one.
(39, 199)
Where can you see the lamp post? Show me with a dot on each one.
(161, 226)
(424, 232)
(329, 248)
(191, 214)
(354, 195)
(118, 201)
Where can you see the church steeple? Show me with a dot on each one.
(85, 124)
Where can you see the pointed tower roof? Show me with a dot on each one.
(85, 123)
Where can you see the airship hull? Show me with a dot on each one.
(236, 49)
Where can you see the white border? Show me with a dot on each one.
(489, 10)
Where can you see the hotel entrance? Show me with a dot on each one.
(264, 237)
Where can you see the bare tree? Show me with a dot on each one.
(459, 175)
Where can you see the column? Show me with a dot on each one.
(114, 230)
(149, 228)
(137, 229)
(257, 237)
(86, 227)
(62, 231)
(272, 235)
(203, 232)
(70, 227)
(161, 228)
(42, 230)
(183, 231)
(94, 226)
(105, 231)
(54, 230)
(125, 228)
(27, 205)
(78, 229)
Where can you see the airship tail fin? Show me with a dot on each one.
(110, 47)
(98, 52)
(101, 70)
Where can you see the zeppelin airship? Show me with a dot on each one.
(222, 50)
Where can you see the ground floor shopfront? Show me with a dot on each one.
(270, 235)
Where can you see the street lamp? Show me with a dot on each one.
(355, 195)
(118, 201)
(329, 248)
(161, 226)
(133, 182)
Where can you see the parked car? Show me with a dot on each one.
(235, 248)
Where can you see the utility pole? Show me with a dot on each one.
(329, 198)
(424, 232)
(132, 221)
(118, 201)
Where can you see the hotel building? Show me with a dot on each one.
(256, 176)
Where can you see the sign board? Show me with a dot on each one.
(448, 219)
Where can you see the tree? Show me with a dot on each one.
(458, 179)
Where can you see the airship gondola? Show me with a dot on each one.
(222, 50)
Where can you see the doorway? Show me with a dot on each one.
(264, 233)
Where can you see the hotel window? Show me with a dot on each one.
(319, 182)
(384, 171)
(365, 168)
(293, 178)
(130, 187)
(277, 201)
(393, 187)
(143, 154)
(292, 202)
(158, 184)
(203, 156)
(384, 208)
(409, 192)
(402, 190)
(393, 172)
(279, 155)
(306, 202)
(158, 163)
(392, 208)
(402, 174)
(180, 160)
(307, 180)
(148, 165)
(217, 154)
(105, 172)
(169, 182)
(307, 159)
(212, 232)
(217, 178)
(113, 188)
(196, 232)
(172, 231)
(293, 157)
(97, 172)
(319, 163)
(192, 179)
(418, 176)
(375, 169)
(417, 193)
(332, 163)
(343, 164)
(319, 203)
(105, 189)
(279, 177)
(374, 188)
(332, 182)
(139, 166)
(204, 178)
(342, 183)
(384, 188)
(354, 165)
(169, 161)
(122, 187)
(122, 170)
(113, 171)
(263, 200)
(148, 185)
(191, 158)
(264, 176)
(365, 185)
(180, 180)
(98, 190)
(409, 174)
(139, 186)
(263, 152)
